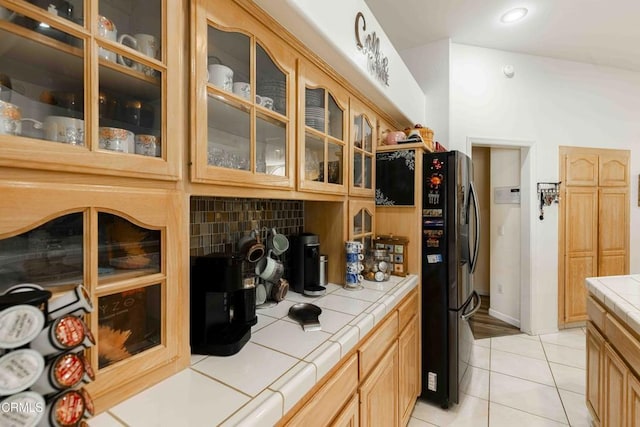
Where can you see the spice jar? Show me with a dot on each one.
(377, 265)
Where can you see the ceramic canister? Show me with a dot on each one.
(116, 139)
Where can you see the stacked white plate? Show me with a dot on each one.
(276, 90)
(314, 117)
(314, 98)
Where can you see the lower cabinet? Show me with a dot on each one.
(379, 392)
(615, 388)
(633, 397)
(377, 384)
(595, 356)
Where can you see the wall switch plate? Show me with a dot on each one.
(432, 381)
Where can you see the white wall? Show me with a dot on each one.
(430, 64)
(553, 103)
(504, 238)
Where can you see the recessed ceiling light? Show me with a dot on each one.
(514, 15)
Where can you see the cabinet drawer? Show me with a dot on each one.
(327, 402)
(596, 312)
(624, 342)
(408, 309)
(373, 349)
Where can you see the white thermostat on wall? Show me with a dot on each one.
(506, 195)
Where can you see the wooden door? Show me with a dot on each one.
(409, 366)
(615, 389)
(594, 223)
(633, 407)
(595, 354)
(581, 223)
(379, 392)
(613, 231)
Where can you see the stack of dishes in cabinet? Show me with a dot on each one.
(42, 367)
(275, 89)
(354, 267)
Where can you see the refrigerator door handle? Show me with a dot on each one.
(476, 243)
(475, 309)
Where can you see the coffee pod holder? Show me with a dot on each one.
(42, 362)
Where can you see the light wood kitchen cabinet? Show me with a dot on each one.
(243, 90)
(595, 353)
(363, 138)
(373, 375)
(90, 90)
(408, 368)
(122, 245)
(379, 392)
(594, 223)
(633, 397)
(323, 129)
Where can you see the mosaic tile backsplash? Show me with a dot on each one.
(217, 223)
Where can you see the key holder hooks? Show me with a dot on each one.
(548, 193)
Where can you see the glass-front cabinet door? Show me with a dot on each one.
(123, 248)
(83, 86)
(244, 100)
(361, 221)
(362, 149)
(323, 129)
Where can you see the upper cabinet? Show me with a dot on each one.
(362, 150)
(323, 132)
(84, 86)
(244, 100)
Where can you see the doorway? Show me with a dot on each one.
(503, 168)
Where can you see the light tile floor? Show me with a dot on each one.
(521, 380)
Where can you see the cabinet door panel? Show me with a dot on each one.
(633, 410)
(613, 236)
(379, 393)
(581, 169)
(409, 369)
(349, 417)
(362, 149)
(595, 354)
(615, 389)
(614, 170)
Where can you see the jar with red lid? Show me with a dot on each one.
(63, 334)
(65, 371)
(64, 410)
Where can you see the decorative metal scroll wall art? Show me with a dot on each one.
(548, 193)
(377, 63)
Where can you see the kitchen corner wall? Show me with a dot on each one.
(217, 223)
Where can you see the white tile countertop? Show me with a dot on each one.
(621, 294)
(272, 372)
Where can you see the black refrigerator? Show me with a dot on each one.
(450, 237)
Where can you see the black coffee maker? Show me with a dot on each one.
(223, 304)
(304, 264)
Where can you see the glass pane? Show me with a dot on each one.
(126, 249)
(229, 134)
(368, 135)
(42, 89)
(129, 322)
(130, 108)
(357, 169)
(335, 119)
(357, 223)
(367, 221)
(314, 109)
(314, 158)
(71, 10)
(50, 255)
(46, 27)
(368, 174)
(334, 168)
(367, 243)
(272, 83)
(135, 23)
(271, 146)
(357, 131)
(228, 60)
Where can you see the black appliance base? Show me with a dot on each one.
(314, 291)
(223, 341)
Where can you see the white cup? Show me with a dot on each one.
(64, 129)
(221, 76)
(144, 43)
(277, 243)
(269, 269)
(242, 89)
(264, 101)
(108, 30)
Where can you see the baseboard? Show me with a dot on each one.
(508, 319)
